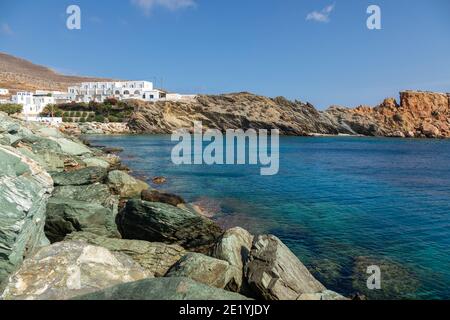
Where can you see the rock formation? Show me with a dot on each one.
(81, 207)
(419, 114)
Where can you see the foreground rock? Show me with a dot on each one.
(80, 177)
(68, 269)
(210, 271)
(125, 185)
(275, 273)
(170, 289)
(156, 196)
(24, 190)
(234, 246)
(156, 258)
(158, 222)
(65, 216)
(93, 193)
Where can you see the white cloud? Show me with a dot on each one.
(321, 16)
(148, 5)
(6, 29)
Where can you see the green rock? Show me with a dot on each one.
(210, 271)
(80, 177)
(94, 193)
(168, 289)
(125, 185)
(159, 222)
(96, 162)
(68, 269)
(155, 257)
(65, 216)
(70, 147)
(24, 190)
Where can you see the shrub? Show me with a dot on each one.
(113, 119)
(99, 118)
(78, 114)
(11, 108)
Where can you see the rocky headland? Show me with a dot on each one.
(74, 224)
(416, 115)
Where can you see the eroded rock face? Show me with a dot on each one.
(234, 247)
(210, 271)
(157, 258)
(163, 289)
(125, 185)
(275, 273)
(419, 115)
(68, 269)
(159, 222)
(65, 216)
(24, 189)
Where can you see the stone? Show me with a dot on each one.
(164, 289)
(96, 162)
(125, 185)
(70, 147)
(159, 222)
(275, 273)
(24, 190)
(94, 193)
(430, 131)
(159, 180)
(234, 246)
(65, 216)
(157, 258)
(156, 196)
(322, 296)
(67, 269)
(80, 177)
(210, 271)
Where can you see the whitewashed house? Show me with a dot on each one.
(4, 92)
(33, 104)
(121, 90)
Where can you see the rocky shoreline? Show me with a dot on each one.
(416, 115)
(74, 224)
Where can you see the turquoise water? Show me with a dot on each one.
(341, 204)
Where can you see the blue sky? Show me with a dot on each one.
(268, 47)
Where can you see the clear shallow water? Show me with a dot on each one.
(341, 204)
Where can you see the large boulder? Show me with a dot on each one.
(275, 273)
(80, 177)
(156, 196)
(65, 216)
(156, 257)
(94, 193)
(71, 147)
(68, 269)
(24, 190)
(159, 222)
(125, 185)
(167, 289)
(234, 246)
(210, 271)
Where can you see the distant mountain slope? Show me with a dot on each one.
(19, 74)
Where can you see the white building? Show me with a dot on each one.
(121, 90)
(4, 92)
(33, 104)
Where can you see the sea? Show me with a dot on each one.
(342, 204)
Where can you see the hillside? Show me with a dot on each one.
(18, 74)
